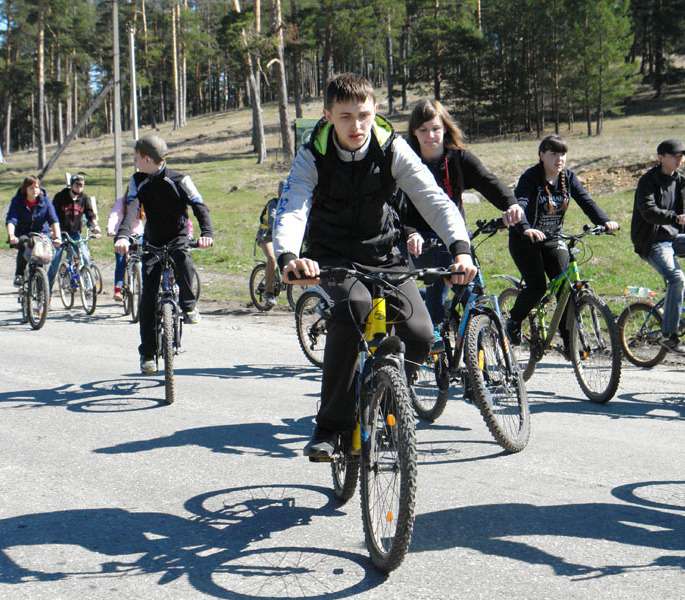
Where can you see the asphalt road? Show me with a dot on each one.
(107, 493)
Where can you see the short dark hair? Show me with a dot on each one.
(348, 86)
(553, 142)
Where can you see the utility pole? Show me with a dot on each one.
(118, 171)
(134, 90)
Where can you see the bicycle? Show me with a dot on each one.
(381, 451)
(312, 311)
(168, 321)
(473, 332)
(639, 326)
(74, 275)
(594, 345)
(132, 287)
(34, 291)
(257, 287)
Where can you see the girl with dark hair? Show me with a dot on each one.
(544, 192)
(30, 211)
(437, 139)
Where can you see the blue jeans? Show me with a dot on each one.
(119, 269)
(54, 265)
(662, 256)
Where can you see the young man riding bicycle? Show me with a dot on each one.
(338, 190)
(165, 196)
(657, 231)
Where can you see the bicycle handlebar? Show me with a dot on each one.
(588, 230)
(391, 278)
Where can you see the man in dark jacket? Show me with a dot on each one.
(657, 231)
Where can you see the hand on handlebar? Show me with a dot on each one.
(464, 270)
(512, 215)
(121, 246)
(205, 242)
(12, 240)
(415, 244)
(535, 235)
(301, 271)
(611, 226)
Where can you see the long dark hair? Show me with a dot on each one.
(555, 143)
(29, 181)
(425, 110)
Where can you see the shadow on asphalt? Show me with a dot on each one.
(211, 548)
(106, 396)
(492, 529)
(266, 371)
(259, 439)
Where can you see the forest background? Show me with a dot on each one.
(223, 83)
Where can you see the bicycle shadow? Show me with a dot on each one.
(259, 439)
(211, 549)
(254, 371)
(492, 529)
(102, 396)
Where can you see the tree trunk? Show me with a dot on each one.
(8, 127)
(41, 90)
(75, 112)
(297, 61)
(174, 62)
(389, 65)
(404, 42)
(60, 126)
(286, 133)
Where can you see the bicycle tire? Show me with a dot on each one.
(293, 293)
(87, 290)
(23, 302)
(524, 356)
(257, 287)
(345, 473)
(135, 290)
(97, 275)
(597, 308)
(310, 326)
(639, 329)
(431, 387)
(499, 394)
(168, 352)
(66, 293)
(38, 301)
(391, 448)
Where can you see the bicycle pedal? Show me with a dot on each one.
(321, 459)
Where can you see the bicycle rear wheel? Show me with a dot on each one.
(294, 293)
(388, 468)
(195, 283)
(38, 301)
(135, 290)
(595, 348)
(66, 292)
(258, 287)
(431, 387)
(97, 276)
(168, 352)
(87, 290)
(524, 356)
(639, 329)
(499, 394)
(345, 471)
(311, 326)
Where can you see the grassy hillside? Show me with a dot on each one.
(216, 151)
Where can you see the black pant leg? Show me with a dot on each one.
(148, 304)
(183, 272)
(528, 259)
(21, 261)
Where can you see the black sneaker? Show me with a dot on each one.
(672, 344)
(513, 330)
(18, 280)
(322, 445)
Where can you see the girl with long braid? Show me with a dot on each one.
(544, 192)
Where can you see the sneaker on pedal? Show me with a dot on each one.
(18, 280)
(117, 294)
(269, 301)
(513, 330)
(672, 344)
(322, 445)
(438, 342)
(148, 365)
(192, 317)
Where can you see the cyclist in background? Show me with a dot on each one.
(264, 240)
(656, 231)
(435, 137)
(71, 205)
(30, 211)
(116, 216)
(544, 191)
(339, 190)
(165, 196)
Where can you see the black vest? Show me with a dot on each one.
(351, 219)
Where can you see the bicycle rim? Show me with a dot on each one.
(197, 286)
(38, 298)
(345, 472)
(294, 293)
(258, 286)
(126, 293)
(66, 293)
(430, 389)
(135, 290)
(168, 352)
(639, 328)
(97, 276)
(87, 289)
(595, 349)
(388, 482)
(310, 326)
(499, 394)
(522, 353)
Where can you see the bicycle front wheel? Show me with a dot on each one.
(311, 326)
(294, 293)
(66, 292)
(595, 348)
(38, 300)
(97, 276)
(258, 287)
(135, 290)
(87, 290)
(388, 480)
(499, 394)
(168, 352)
(431, 387)
(639, 329)
(195, 283)
(524, 356)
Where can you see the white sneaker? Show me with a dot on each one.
(192, 317)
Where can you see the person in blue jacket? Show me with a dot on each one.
(30, 211)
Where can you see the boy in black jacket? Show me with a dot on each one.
(164, 195)
(656, 231)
